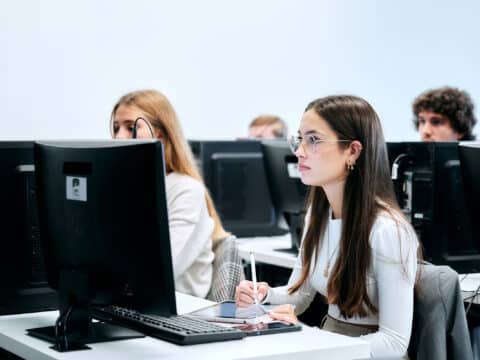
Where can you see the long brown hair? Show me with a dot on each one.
(178, 157)
(368, 190)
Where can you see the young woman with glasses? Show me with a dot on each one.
(357, 250)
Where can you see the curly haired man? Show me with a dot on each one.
(444, 114)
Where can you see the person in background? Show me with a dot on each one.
(444, 114)
(447, 114)
(193, 221)
(267, 127)
(358, 250)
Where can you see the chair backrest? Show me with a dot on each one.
(227, 270)
(440, 328)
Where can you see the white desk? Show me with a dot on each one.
(306, 344)
(264, 250)
(470, 283)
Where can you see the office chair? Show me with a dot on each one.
(227, 270)
(440, 328)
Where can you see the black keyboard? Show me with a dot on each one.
(179, 329)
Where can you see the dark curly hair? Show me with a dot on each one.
(451, 102)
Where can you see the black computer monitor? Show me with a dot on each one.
(470, 162)
(104, 224)
(23, 282)
(430, 188)
(287, 190)
(234, 173)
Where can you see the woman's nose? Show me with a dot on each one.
(300, 151)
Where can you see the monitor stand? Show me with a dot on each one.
(76, 340)
(74, 327)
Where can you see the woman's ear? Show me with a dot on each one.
(355, 150)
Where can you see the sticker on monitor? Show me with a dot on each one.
(76, 188)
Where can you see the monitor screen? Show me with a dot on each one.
(22, 271)
(234, 173)
(288, 191)
(104, 223)
(430, 188)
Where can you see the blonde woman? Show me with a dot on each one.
(194, 223)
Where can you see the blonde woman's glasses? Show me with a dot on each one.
(311, 142)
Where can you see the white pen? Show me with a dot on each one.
(254, 277)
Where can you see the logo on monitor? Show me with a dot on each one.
(76, 188)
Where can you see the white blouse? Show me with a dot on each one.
(191, 230)
(390, 282)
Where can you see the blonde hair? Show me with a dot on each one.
(178, 157)
(278, 125)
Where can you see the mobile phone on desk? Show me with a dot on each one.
(268, 328)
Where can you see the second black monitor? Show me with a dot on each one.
(23, 283)
(234, 173)
(433, 183)
(287, 190)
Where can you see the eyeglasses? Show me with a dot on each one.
(311, 141)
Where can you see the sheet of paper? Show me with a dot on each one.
(251, 311)
(261, 314)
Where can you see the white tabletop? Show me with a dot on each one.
(470, 285)
(265, 250)
(306, 344)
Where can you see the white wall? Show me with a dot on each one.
(63, 64)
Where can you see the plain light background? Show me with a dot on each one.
(63, 64)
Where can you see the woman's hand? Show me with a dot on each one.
(244, 295)
(284, 313)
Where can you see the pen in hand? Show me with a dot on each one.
(254, 278)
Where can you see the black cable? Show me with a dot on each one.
(134, 130)
(396, 165)
(472, 298)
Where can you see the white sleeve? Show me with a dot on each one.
(304, 295)
(394, 249)
(186, 207)
(301, 298)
